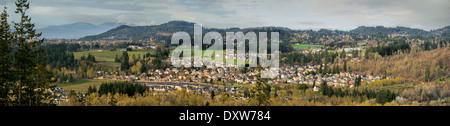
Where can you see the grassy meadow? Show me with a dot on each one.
(82, 85)
(305, 46)
(107, 57)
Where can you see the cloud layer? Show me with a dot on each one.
(295, 14)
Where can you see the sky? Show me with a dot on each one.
(294, 14)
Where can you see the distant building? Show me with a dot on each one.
(316, 88)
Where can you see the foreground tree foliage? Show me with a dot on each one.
(5, 62)
(27, 82)
(289, 95)
(260, 92)
(418, 65)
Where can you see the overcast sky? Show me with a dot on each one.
(294, 14)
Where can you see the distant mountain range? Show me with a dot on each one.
(76, 30)
(163, 31)
(118, 31)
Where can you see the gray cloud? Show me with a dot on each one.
(128, 5)
(295, 14)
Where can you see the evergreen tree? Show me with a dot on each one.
(323, 88)
(30, 73)
(320, 69)
(261, 90)
(113, 101)
(143, 68)
(427, 74)
(125, 65)
(384, 96)
(212, 94)
(89, 91)
(314, 84)
(343, 54)
(5, 60)
(366, 55)
(358, 81)
(94, 89)
(345, 65)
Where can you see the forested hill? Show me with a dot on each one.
(155, 32)
(363, 30)
(164, 31)
(442, 31)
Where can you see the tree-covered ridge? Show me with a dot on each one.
(156, 32)
(364, 30)
(445, 31)
(163, 31)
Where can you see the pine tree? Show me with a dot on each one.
(212, 94)
(385, 74)
(124, 66)
(427, 74)
(314, 83)
(345, 65)
(358, 81)
(143, 69)
(259, 90)
(343, 54)
(320, 69)
(94, 89)
(5, 62)
(366, 55)
(113, 101)
(89, 90)
(30, 73)
(323, 88)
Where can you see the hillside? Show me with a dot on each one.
(389, 30)
(444, 32)
(408, 65)
(155, 32)
(163, 31)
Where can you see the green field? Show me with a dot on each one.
(362, 43)
(305, 46)
(82, 85)
(107, 57)
(74, 83)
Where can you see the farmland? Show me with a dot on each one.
(306, 46)
(82, 85)
(107, 57)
